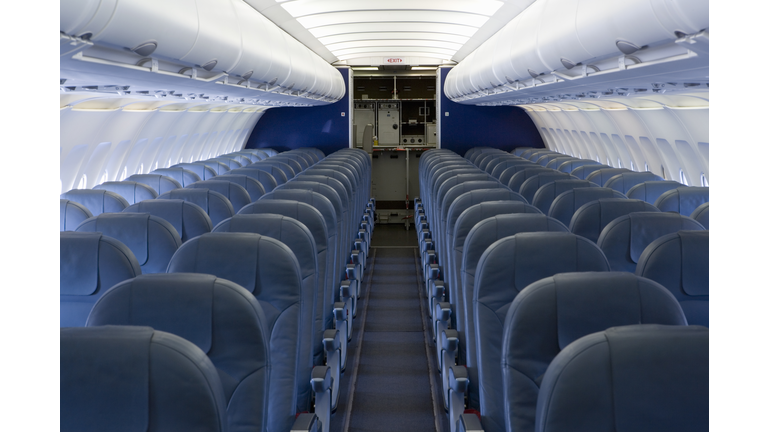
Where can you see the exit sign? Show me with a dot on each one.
(395, 60)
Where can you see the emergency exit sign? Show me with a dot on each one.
(395, 60)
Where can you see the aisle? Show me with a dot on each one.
(387, 385)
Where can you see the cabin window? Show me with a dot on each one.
(632, 165)
(683, 180)
(663, 173)
(125, 174)
(646, 166)
(83, 182)
(598, 159)
(104, 177)
(618, 162)
(704, 181)
(141, 169)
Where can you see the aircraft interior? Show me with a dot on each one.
(366, 215)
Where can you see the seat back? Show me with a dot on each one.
(556, 162)
(254, 187)
(220, 317)
(650, 191)
(683, 200)
(299, 240)
(547, 193)
(551, 313)
(590, 219)
(565, 205)
(529, 187)
(230, 162)
(584, 171)
(152, 240)
(625, 238)
(185, 177)
(159, 183)
(218, 167)
(499, 168)
(570, 165)
(641, 378)
(187, 218)
(506, 267)
(311, 218)
(71, 214)
(478, 241)
(263, 176)
(494, 162)
(517, 180)
(680, 262)
(89, 265)
(269, 270)
(602, 176)
(451, 196)
(126, 378)
(202, 169)
(216, 205)
(277, 164)
(97, 201)
(701, 214)
(623, 182)
(132, 191)
(236, 194)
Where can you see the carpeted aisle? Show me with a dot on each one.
(388, 385)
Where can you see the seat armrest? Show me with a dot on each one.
(458, 382)
(306, 422)
(322, 384)
(470, 423)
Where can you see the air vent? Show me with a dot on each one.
(626, 47)
(62, 81)
(274, 80)
(210, 65)
(145, 49)
(680, 34)
(247, 75)
(534, 74)
(86, 36)
(567, 63)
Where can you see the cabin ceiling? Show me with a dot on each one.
(371, 32)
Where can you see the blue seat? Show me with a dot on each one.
(152, 240)
(584, 171)
(300, 241)
(546, 194)
(602, 176)
(243, 160)
(484, 234)
(218, 167)
(263, 176)
(570, 165)
(220, 317)
(132, 191)
(236, 194)
(545, 159)
(680, 262)
(532, 185)
(701, 214)
(269, 270)
(566, 204)
(276, 164)
(504, 270)
(71, 214)
(483, 160)
(625, 238)
(494, 162)
(499, 168)
(683, 200)
(625, 181)
(556, 162)
(552, 312)
(640, 378)
(185, 177)
(89, 265)
(216, 205)
(97, 201)
(650, 191)
(517, 151)
(252, 156)
(228, 161)
(126, 378)
(590, 219)
(188, 219)
(254, 187)
(202, 170)
(517, 180)
(159, 183)
(506, 176)
(295, 165)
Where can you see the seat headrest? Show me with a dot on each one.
(645, 227)
(97, 201)
(171, 210)
(159, 183)
(195, 196)
(92, 357)
(132, 229)
(590, 219)
(683, 200)
(144, 300)
(71, 214)
(314, 199)
(304, 213)
(82, 248)
(623, 182)
(695, 256)
(641, 377)
(650, 191)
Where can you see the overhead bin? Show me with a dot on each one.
(226, 41)
(557, 35)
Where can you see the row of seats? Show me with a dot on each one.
(511, 289)
(287, 266)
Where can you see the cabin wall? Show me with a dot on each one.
(465, 126)
(671, 140)
(98, 145)
(327, 127)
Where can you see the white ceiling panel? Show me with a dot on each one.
(341, 30)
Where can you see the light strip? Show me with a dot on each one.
(370, 36)
(335, 18)
(313, 7)
(394, 54)
(389, 42)
(455, 29)
(394, 49)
